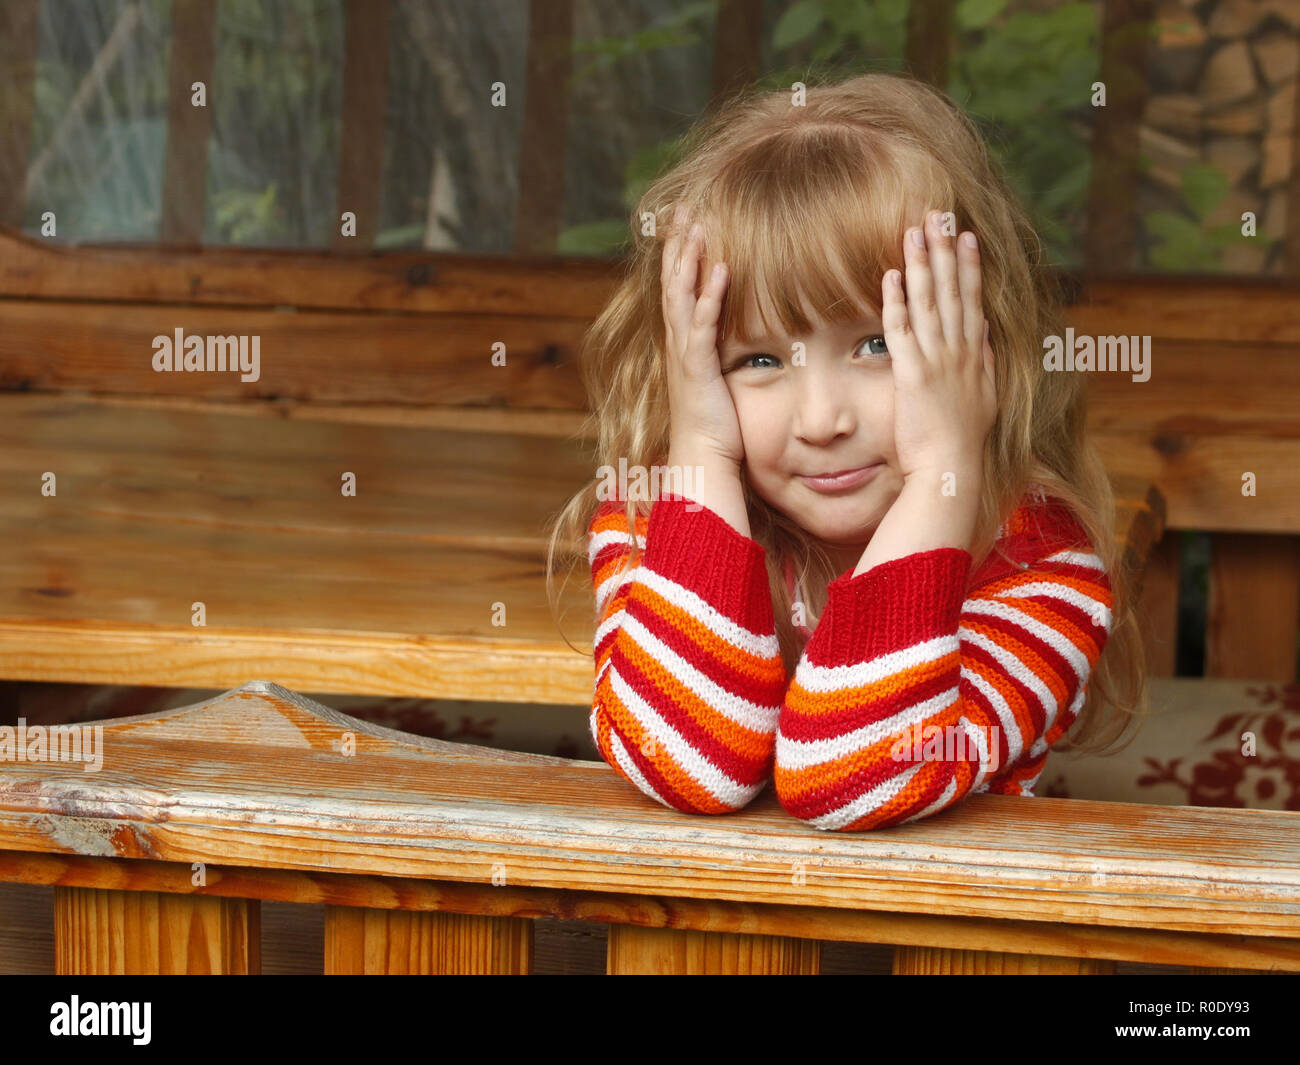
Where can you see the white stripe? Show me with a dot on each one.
(813, 678)
(800, 754)
(1054, 590)
(598, 541)
(1078, 558)
(866, 802)
(712, 779)
(949, 793)
(760, 645)
(1017, 669)
(743, 712)
(629, 767)
(1054, 638)
(1006, 717)
(611, 585)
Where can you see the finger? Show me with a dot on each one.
(972, 293)
(921, 307)
(703, 340)
(904, 352)
(672, 249)
(680, 291)
(943, 267)
(990, 360)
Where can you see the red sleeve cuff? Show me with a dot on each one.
(699, 550)
(896, 604)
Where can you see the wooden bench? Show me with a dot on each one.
(437, 857)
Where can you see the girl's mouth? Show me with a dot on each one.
(842, 480)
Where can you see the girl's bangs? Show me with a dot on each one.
(761, 215)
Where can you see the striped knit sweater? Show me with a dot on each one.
(922, 682)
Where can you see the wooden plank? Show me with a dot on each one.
(1291, 260)
(635, 951)
(120, 933)
(311, 355)
(279, 888)
(1111, 237)
(185, 168)
(930, 32)
(19, 36)
(434, 283)
(363, 942)
(1158, 607)
(539, 212)
(263, 778)
(929, 961)
(1198, 308)
(1201, 479)
(1254, 607)
(365, 106)
(576, 425)
(737, 46)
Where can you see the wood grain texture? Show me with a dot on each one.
(279, 888)
(262, 778)
(1254, 607)
(391, 591)
(928, 961)
(634, 951)
(395, 942)
(365, 109)
(121, 933)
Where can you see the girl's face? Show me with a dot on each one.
(825, 408)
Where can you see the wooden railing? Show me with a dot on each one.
(436, 857)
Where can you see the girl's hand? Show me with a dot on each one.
(945, 387)
(703, 422)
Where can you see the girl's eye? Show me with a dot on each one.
(881, 352)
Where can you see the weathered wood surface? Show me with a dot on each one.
(391, 591)
(280, 887)
(259, 778)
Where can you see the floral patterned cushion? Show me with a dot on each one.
(1204, 742)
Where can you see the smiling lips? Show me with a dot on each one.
(841, 480)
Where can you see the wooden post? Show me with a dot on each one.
(185, 171)
(375, 942)
(18, 39)
(930, 961)
(1110, 243)
(635, 950)
(102, 932)
(365, 104)
(1254, 578)
(539, 215)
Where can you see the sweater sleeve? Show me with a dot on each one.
(914, 693)
(689, 677)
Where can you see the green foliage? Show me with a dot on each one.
(1182, 243)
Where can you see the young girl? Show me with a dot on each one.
(887, 580)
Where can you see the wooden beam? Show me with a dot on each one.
(635, 951)
(19, 37)
(1110, 242)
(362, 942)
(365, 107)
(1291, 260)
(1158, 606)
(103, 932)
(539, 215)
(937, 961)
(185, 170)
(704, 915)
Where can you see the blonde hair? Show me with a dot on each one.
(821, 194)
